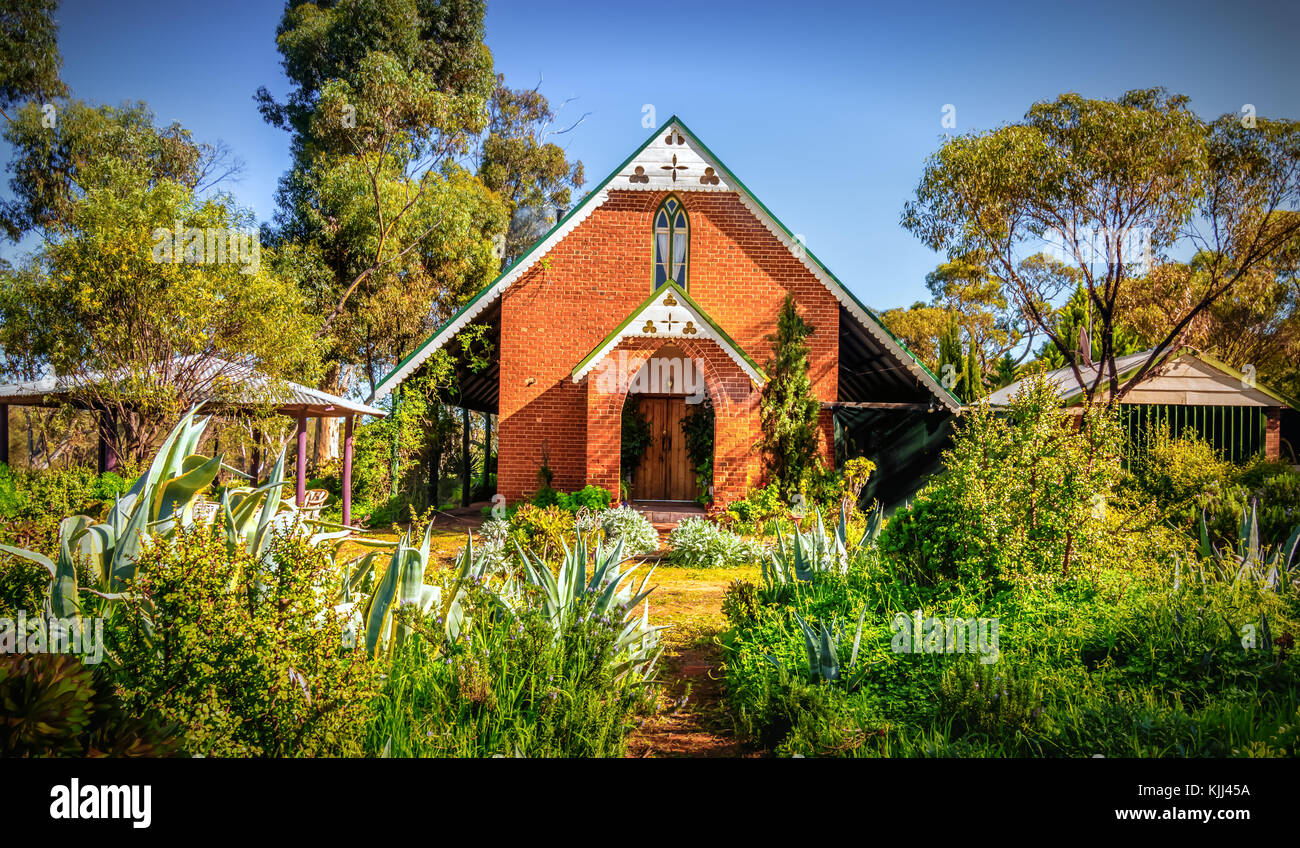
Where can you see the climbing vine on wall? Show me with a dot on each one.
(697, 424)
(636, 437)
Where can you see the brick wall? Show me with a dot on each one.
(1273, 432)
(554, 316)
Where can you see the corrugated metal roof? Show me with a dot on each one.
(248, 388)
(1067, 387)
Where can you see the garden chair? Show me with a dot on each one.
(313, 503)
(204, 511)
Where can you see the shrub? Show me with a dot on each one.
(32, 503)
(246, 655)
(590, 497)
(541, 530)
(556, 665)
(638, 534)
(787, 409)
(1021, 493)
(699, 543)
(513, 689)
(758, 506)
(989, 699)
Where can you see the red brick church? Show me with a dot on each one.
(663, 283)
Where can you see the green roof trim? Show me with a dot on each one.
(690, 301)
(528, 256)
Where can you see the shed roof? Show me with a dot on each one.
(1188, 377)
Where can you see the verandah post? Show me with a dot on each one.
(464, 458)
(4, 433)
(347, 470)
(301, 494)
(487, 445)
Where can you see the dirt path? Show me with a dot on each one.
(691, 721)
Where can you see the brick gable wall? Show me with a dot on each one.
(587, 285)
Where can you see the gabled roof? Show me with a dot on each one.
(673, 158)
(243, 387)
(657, 317)
(1202, 375)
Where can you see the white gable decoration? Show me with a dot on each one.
(668, 317)
(671, 162)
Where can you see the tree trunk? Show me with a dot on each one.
(327, 429)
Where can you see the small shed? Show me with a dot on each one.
(248, 390)
(1190, 391)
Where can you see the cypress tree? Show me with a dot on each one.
(788, 410)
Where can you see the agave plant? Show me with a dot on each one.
(402, 585)
(159, 504)
(804, 556)
(823, 649)
(161, 501)
(1272, 569)
(607, 594)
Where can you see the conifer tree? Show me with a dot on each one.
(788, 410)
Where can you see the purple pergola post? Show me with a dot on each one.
(301, 494)
(347, 470)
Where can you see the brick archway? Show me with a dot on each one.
(735, 406)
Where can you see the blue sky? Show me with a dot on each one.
(827, 111)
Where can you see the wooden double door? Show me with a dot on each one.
(665, 472)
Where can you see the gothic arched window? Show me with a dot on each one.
(672, 242)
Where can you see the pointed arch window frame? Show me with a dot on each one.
(671, 228)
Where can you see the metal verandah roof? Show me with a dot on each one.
(248, 389)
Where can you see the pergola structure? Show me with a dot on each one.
(251, 391)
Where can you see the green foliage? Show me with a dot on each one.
(589, 497)
(988, 699)
(513, 689)
(1178, 480)
(636, 436)
(1097, 178)
(960, 370)
(541, 530)
(29, 54)
(518, 163)
(788, 411)
(385, 100)
(1021, 494)
(107, 293)
(700, 543)
(759, 506)
(33, 502)
(53, 705)
(159, 504)
(550, 665)
(1147, 651)
(813, 555)
(245, 654)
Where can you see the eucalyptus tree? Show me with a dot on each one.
(1115, 188)
(380, 217)
(146, 295)
(29, 54)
